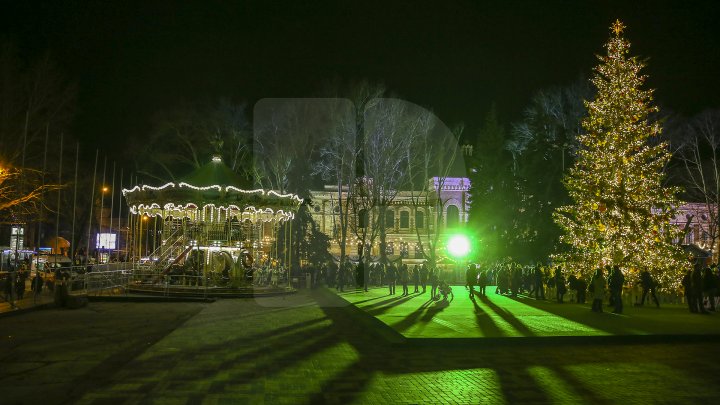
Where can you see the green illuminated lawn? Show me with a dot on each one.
(415, 316)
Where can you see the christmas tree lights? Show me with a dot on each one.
(621, 212)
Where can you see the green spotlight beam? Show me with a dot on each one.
(458, 246)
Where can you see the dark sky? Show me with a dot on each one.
(131, 59)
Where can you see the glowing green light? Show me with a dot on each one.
(458, 246)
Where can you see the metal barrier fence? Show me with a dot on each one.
(98, 282)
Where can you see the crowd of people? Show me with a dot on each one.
(409, 279)
(43, 277)
(702, 288)
(606, 285)
(701, 285)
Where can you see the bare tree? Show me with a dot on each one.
(432, 159)
(287, 134)
(699, 153)
(184, 138)
(21, 200)
(34, 96)
(338, 163)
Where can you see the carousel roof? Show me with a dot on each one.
(214, 172)
(213, 184)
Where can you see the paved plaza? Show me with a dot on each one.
(500, 316)
(314, 347)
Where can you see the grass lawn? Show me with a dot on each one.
(416, 316)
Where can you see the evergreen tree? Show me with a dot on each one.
(621, 210)
(544, 145)
(493, 191)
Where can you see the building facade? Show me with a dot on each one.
(413, 220)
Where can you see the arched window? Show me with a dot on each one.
(419, 219)
(362, 218)
(453, 216)
(404, 219)
(389, 219)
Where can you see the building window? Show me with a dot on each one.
(17, 237)
(389, 219)
(404, 219)
(404, 249)
(419, 219)
(453, 216)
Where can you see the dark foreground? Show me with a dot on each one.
(309, 348)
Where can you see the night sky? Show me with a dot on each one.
(131, 59)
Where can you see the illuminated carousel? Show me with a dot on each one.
(207, 236)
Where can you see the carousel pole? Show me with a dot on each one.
(289, 255)
(134, 221)
(154, 245)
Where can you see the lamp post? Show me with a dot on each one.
(145, 222)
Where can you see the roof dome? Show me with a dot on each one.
(215, 172)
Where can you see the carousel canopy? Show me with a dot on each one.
(214, 190)
(212, 173)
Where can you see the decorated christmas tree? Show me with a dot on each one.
(621, 212)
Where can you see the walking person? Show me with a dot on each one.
(687, 287)
(391, 275)
(598, 289)
(423, 277)
(515, 279)
(539, 287)
(710, 287)
(580, 288)
(471, 279)
(416, 278)
(433, 283)
(404, 279)
(616, 282)
(560, 287)
(696, 280)
(36, 286)
(10, 288)
(482, 281)
(648, 286)
(22, 276)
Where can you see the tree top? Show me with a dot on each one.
(617, 27)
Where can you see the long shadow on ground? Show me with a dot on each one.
(257, 358)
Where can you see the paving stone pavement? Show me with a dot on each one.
(309, 348)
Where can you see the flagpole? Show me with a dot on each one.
(112, 206)
(102, 209)
(92, 203)
(42, 193)
(117, 238)
(73, 241)
(57, 216)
